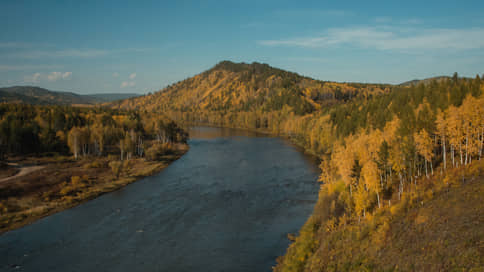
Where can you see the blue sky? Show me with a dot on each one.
(142, 46)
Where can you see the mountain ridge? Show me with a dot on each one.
(41, 96)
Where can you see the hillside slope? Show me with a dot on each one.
(40, 96)
(425, 81)
(237, 87)
(439, 227)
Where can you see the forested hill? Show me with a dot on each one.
(252, 87)
(40, 96)
(416, 82)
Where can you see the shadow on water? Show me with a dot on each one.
(200, 132)
(226, 205)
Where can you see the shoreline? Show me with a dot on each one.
(90, 189)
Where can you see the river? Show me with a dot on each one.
(226, 205)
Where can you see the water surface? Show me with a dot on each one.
(226, 205)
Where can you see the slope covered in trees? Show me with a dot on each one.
(238, 87)
(382, 148)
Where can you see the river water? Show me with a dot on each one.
(226, 205)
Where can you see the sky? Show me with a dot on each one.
(143, 46)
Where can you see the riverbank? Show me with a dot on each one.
(60, 183)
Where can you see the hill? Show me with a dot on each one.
(41, 96)
(424, 81)
(109, 97)
(230, 86)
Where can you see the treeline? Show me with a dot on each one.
(28, 129)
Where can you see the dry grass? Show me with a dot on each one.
(438, 226)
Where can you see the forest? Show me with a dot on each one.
(384, 151)
(78, 153)
(28, 129)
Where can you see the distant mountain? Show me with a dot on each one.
(424, 81)
(230, 86)
(108, 97)
(41, 96)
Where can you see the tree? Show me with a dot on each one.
(424, 147)
(74, 141)
(369, 173)
(441, 125)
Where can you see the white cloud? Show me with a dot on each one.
(54, 76)
(132, 76)
(35, 78)
(125, 84)
(66, 75)
(115, 74)
(390, 38)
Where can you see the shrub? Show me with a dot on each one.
(66, 190)
(94, 164)
(157, 150)
(116, 167)
(76, 181)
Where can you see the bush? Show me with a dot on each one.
(94, 164)
(66, 190)
(157, 150)
(116, 167)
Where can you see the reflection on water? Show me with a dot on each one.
(198, 132)
(227, 205)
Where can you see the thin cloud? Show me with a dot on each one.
(132, 76)
(313, 13)
(125, 84)
(115, 74)
(308, 59)
(13, 45)
(390, 38)
(80, 53)
(27, 67)
(72, 53)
